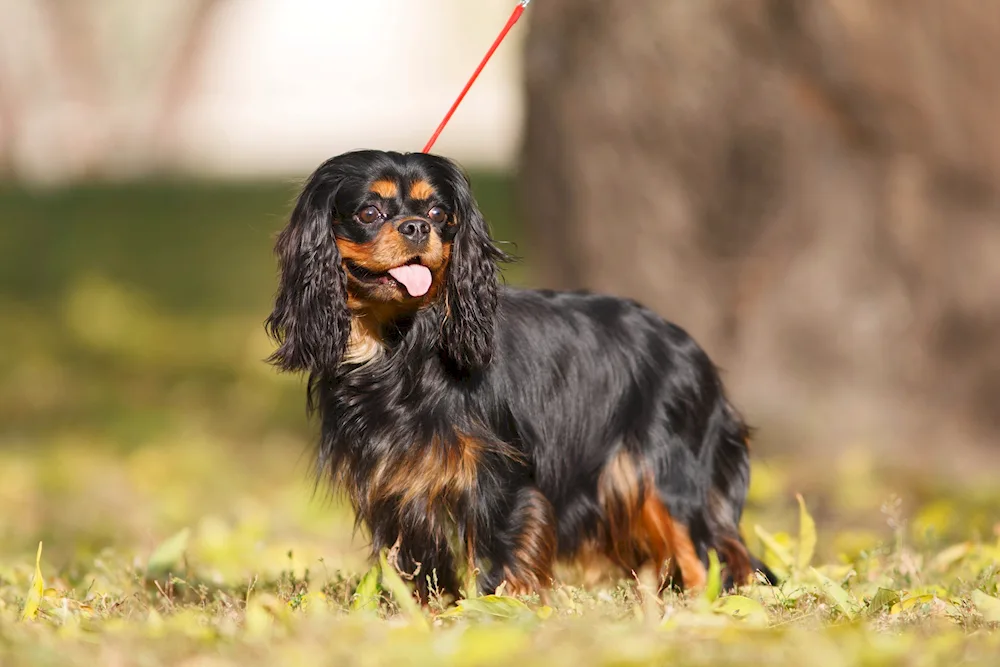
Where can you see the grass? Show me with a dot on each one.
(166, 472)
(196, 548)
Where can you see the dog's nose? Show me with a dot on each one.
(415, 230)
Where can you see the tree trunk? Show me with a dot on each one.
(810, 189)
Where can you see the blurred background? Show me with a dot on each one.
(810, 189)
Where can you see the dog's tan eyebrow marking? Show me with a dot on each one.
(385, 188)
(421, 190)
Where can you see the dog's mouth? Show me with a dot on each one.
(413, 277)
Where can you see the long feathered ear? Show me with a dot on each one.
(310, 320)
(472, 284)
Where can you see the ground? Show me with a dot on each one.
(163, 475)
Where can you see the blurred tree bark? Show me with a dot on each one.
(811, 189)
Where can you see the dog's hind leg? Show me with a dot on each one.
(727, 445)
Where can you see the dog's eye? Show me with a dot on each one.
(368, 214)
(437, 214)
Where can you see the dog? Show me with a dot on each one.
(511, 428)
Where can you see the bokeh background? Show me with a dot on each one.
(811, 189)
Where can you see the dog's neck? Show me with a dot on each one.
(376, 331)
(365, 344)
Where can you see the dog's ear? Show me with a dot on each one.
(310, 320)
(472, 283)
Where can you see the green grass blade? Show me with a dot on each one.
(365, 598)
(713, 585)
(36, 591)
(807, 535)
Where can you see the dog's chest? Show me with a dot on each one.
(435, 474)
(393, 455)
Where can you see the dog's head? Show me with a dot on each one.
(374, 237)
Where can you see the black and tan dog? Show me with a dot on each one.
(533, 426)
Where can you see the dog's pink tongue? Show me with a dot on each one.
(416, 278)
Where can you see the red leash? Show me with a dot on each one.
(515, 15)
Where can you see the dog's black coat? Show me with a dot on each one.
(521, 399)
